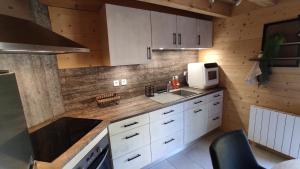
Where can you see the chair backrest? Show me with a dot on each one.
(232, 151)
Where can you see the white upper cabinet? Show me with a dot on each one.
(174, 32)
(126, 38)
(204, 33)
(164, 30)
(186, 32)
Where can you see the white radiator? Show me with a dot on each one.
(276, 130)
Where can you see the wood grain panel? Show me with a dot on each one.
(81, 27)
(237, 39)
(16, 8)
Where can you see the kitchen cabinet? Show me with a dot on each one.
(195, 123)
(164, 30)
(125, 35)
(172, 31)
(204, 33)
(140, 140)
(186, 32)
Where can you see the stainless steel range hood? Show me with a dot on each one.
(22, 36)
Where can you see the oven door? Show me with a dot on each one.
(103, 161)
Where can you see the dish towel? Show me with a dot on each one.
(255, 71)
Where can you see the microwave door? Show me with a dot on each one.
(212, 76)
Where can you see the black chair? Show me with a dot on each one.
(232, 151)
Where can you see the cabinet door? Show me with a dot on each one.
(205, 32)
(163, 30)
(186, 32)
(195, 123)
(129, 35)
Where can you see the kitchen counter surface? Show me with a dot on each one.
(126, 109)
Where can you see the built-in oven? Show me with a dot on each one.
(96, 155)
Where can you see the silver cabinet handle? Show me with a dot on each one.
(169, 141)
(179, 38)
(168, 112)
(131, 124)
(128, 137)
(216, 118)
(216, 103)
(174, 39)
(149, 53)
(217, 95)
(198, 102)
(138, 155)
(197, 111)
(199, 40)
(165, 123)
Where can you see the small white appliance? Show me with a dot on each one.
(203, 75)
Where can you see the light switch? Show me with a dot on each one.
(116, 83)
(124, 82)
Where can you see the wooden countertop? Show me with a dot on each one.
(126, 109)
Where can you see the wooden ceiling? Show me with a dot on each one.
(220, 9)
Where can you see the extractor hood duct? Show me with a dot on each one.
(22, 36)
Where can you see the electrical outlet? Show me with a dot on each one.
(116, 83)
(184, 73)
(124, 82)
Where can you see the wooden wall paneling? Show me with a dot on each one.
(238, 38)
(264, 3)
(92, 5)
(16, 8)
(81, 27)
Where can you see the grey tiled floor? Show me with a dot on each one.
(197, 156)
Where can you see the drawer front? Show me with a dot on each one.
(194, 103)
(215, 107)
(166, 126)
(166, 145)
(214, 122)
(134, 160)
(166, 112)
(216, 95)
(128, 124)
(129, 141)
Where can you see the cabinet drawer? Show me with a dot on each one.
(128, 124)
(130, 140)
(168, 125)
(215, 107)
(214, 96)
(194, 103)
(134, 160)
(214, 122)
(166, 112)
(166, 145)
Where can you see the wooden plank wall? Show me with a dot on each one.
(237, 39)
(79, 26)
(80, 86)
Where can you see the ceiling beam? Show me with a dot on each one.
(264, 3)
(218, 9)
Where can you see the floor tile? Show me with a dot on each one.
(180, 161)
(163, 165)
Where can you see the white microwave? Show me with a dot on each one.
(203, 75)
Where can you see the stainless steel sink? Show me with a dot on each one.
(184, 93)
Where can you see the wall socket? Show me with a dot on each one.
(124, 82)
(116, 83)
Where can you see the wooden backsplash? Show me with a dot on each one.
(237, 39)
(80, 86)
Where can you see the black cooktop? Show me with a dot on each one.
(54, 139)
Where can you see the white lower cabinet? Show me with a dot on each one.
(195, 123)
(166, 126)
(140, 140)
(166, 145)
(134, 160)
(129, 141)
